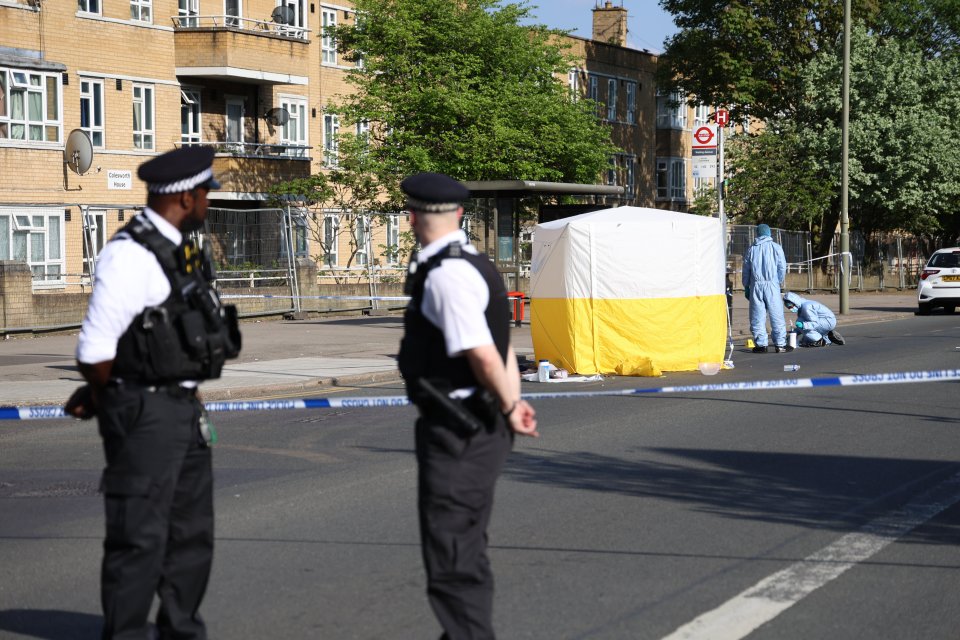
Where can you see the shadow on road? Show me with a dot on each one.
(51, 624)
(838, 493)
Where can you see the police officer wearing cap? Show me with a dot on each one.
(153, 328)
(461, 372)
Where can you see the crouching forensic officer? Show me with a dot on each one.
(154, 327)
(462, 374)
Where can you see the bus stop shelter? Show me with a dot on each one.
(496, 214)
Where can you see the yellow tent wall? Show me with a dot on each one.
(630, 291)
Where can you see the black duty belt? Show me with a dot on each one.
(172, 389)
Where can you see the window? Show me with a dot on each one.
(142, 116)
(331, 129)
(94, 237)
(88, 6)
(91, 110)
(671, 179)
(190, 116)
(592, 90)
(573, 79)
(631, 99)
(630, 176)
(187, 12)
(34, 236)
(296, 9)
(30, 106)
(392, 251)
(701, 115)
(671, 111)
(328, 47)
(141, 10)
(361, 235)
(611, 178)
(295, 129)
(611, 99)
(331, 229)
(234, 10)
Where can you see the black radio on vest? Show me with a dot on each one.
(188, 337)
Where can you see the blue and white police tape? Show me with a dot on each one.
(858, 380)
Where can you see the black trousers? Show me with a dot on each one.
(158, 491)
(456, 479)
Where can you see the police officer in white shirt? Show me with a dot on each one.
(462, 374)
(154, 327)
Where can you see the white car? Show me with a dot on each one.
(939, 284)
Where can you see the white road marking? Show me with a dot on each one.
(776, 593)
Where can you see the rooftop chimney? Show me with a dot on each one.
(610, 24)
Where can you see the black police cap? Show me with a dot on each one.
(179, 170)
(434, 192)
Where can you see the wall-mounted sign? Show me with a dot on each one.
(119, 179)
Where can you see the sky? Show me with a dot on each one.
(647, 23)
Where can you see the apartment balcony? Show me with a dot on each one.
(241, 50)
(252, 168)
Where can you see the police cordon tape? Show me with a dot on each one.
(897, 377)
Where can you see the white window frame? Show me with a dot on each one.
(94, 114)
(391, 254)
(33, 226)
(296, 129)
(188, 12)
(190, 102)
(331, 129)
(671, 178)
(48, 126)
(98, 218)
(361, 237)
(331, 239)
(629, 176)
(612, 99)
(235, 145)
(631, 100)
(573, 79)
(701, 115)
(90, 6)
(141, 11)
(233, 16)
(328, 46)
(593, 88)
(671, 111)
(144, 132)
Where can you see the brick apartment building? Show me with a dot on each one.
(254, 79)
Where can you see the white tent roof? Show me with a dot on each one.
(628, 253)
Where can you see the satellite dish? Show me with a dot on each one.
(78, 152)
(278, 116)
(282, 15)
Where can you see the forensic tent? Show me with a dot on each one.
(630, 291)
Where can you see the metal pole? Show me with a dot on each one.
(845, 261)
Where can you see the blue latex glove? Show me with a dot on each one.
(799, 324)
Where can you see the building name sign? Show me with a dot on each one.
(119, 179)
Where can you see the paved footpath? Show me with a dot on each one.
(308, 357)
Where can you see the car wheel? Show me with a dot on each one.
(923, 309)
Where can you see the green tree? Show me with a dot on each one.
(749, 55)
(904, 107)
(463, 88)
(903, 165)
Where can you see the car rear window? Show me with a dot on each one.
(945, 260)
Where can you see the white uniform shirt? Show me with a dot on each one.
(128, 280)
(455, 297)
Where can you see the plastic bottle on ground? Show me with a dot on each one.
(791, 367)
(543, 371)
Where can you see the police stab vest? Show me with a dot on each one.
(191, 334)
(423, 351)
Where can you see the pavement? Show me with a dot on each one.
(317, 355)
